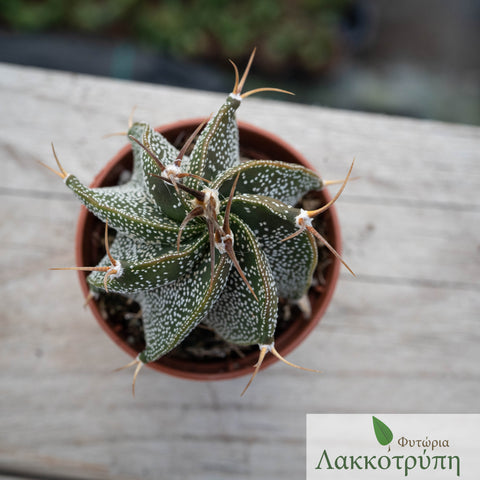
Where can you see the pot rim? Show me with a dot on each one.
(288, 340)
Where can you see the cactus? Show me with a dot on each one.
(205, 237)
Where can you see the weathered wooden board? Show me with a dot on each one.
(401, 337)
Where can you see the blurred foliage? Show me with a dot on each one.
(289, 34)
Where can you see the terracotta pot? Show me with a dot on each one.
(254, 143)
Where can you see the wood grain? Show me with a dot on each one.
(401, 337)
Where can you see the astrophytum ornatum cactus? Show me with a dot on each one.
(205, 237)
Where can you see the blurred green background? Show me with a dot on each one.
(417, 58)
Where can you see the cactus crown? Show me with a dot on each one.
(205, 237)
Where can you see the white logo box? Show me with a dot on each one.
(412, 446)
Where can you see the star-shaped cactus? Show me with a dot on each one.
(205, 237)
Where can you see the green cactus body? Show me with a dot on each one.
(217, 149)
(179, 289)
(206, 237)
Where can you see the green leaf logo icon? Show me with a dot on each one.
(382, 432)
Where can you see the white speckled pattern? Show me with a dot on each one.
(179, 289)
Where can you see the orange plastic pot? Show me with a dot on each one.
(254, 143)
